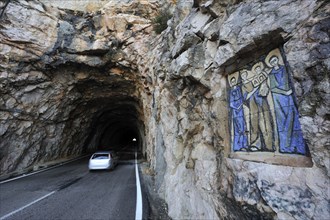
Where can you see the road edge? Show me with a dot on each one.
(38, 168)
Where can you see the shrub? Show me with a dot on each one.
(160, 21)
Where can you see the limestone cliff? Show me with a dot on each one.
(231, 100)
(190, 133)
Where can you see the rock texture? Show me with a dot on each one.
(64, 88)
(190, 110)
(61, 89)
(81, 5)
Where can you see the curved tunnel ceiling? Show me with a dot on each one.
(110, 103)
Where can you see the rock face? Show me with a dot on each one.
(81, 5)
(228, 132)
(194, 114)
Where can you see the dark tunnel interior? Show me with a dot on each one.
(122, 136)
(117, 127)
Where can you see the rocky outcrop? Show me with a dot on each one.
(191, 114)
(63, 89)
(86, 6)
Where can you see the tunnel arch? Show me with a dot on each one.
(115, 126)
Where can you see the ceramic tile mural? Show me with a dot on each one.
(263, 113)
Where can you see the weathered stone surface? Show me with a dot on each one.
(238, 35)
(76, 4)
(46, 85)
(61, 88)
(17, 42)
(290, 192)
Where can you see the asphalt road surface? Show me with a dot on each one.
(72, 192)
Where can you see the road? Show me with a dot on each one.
(72, 192)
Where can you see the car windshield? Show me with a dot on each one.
(100, 156)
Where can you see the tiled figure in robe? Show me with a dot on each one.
(256, 108)
(261, 120)
(239, 141)
(288, 125)
(247, 88)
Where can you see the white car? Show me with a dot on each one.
(103, 160)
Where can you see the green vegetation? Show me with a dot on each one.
(160, 21)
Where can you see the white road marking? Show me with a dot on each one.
(24, 207)
(42, 170)
(138, 210)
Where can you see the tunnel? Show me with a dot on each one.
(117, 127)
(85, 110)
(81, 96)
(106, 112)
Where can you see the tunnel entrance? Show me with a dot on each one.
(117, 127)
(110, 110)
